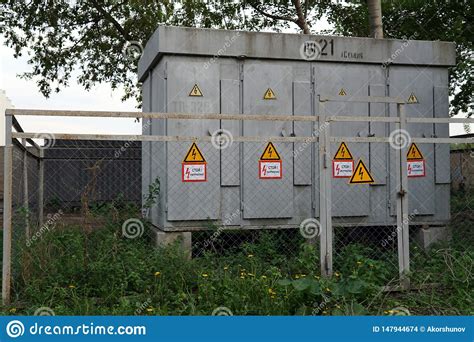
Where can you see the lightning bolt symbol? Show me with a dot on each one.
(343, 151)
(361, 173)
(188, 173)
(265, 170)
(337, 169)
(270, 151)
(193, 153)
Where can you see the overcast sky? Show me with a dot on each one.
(25, 94)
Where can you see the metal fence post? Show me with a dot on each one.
(402, 204)
(325, 194)
(7, 212)
(26, 197)
(41, 187)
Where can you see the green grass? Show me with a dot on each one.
(102, 272)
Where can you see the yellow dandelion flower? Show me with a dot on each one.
(337, 274)
(12, 310)
(226, 268)
(328, 289)
(297, 276)
(72, 286)
(149, 309)
(205, 275)
(250, 256)
(264, 277)
(157, 274)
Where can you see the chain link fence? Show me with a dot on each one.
(233, 199)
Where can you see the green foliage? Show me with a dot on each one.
(111, 274)
(151, 197)
(90, 37)
(422, 20)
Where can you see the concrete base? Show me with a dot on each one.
(162, 239)
(427, 236)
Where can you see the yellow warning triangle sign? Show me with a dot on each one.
(194, 155)
(414, 152)
(361, 175)
(343, 152)
(269, 95)
(342, 92)
(412, 98)
(195, 91)
(270, 153)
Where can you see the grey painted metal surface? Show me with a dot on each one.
(234, 69)
(256, 45)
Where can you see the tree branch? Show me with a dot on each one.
(273, 16)
(112, 20)
(301, 22)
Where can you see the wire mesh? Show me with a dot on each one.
(365, 229)
(234, 208)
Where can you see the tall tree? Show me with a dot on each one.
(424, 20)
(375, 18)
(99, 38)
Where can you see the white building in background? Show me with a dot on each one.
(4, 104)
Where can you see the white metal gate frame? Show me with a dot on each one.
(326, 234)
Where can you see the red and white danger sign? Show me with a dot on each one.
(269, 169)
(416, 168)
(342, 168)
(194, 172)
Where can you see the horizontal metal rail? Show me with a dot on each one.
(415, 140)
(237, 117)
(370, 99)
(164, 138)
(126, 137)
(362, 119)
(179, 116)
(440, 120)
